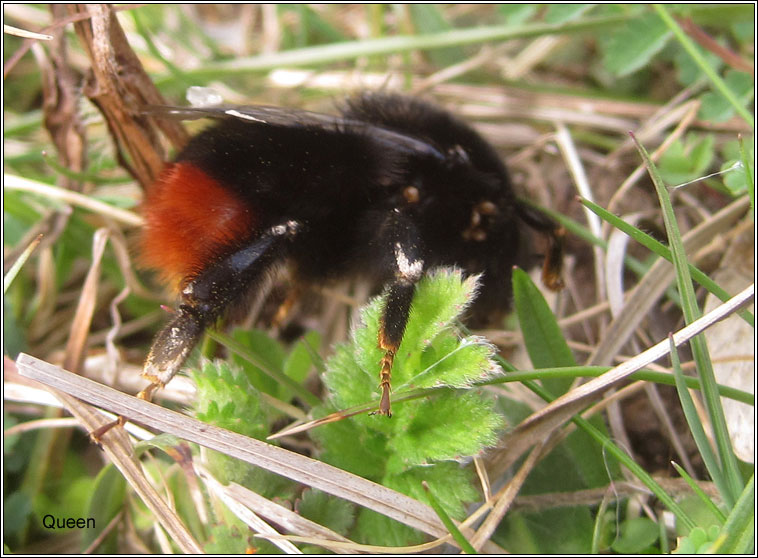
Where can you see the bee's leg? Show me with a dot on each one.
(285, 308)
(204, 299)
(408, 267)
(555, 233)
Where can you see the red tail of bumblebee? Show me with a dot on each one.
(189, 218)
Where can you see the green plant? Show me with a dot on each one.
(225, 397)
(427, 438)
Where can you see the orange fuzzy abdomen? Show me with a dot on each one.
(191, 220)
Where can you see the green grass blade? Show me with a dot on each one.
(689, 46)
(574, 372)
(583, 233)
(654, 246)
(19, 263)
(621, 456)
(448, 523)
(349, 50)
(693, 420)
(728, 461)
(699, 492)
(740, 525)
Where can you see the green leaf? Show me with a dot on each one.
(262, 358)
(439, 299)
(107, 500)
(375, 528)
(637, 535)
(701, 515)
(14, 523)
(164, 442)
(225, 397)
(429, 354)
(687, 160)
(717, 82)
(744, 30)
(453, 363)
(228, 540)
(687, 70)
(543, 337)
(553, 531)
(699, 541)
(634, 44)
(14, 338)
(449, 426)
(352, 446)
(299, 363)
(705, 503)
(183, 498)
(333, 513)
(312, 29)
(451, 484)
(547, 348)
(716, 108)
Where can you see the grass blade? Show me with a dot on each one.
(621, 456)
(19, 263)
(693, 420)
(349, 50)
(654, 246)
(728, 461)
(574, 372)
(699, 491)
(740, 525)
(448, 523)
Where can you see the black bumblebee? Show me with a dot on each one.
(391, 187)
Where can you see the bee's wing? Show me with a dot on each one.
(261, 115)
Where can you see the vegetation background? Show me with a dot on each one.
(475, 461)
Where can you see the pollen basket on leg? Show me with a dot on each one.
(189, 219)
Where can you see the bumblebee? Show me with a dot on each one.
(389, 188)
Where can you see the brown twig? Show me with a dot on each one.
(120, 88)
